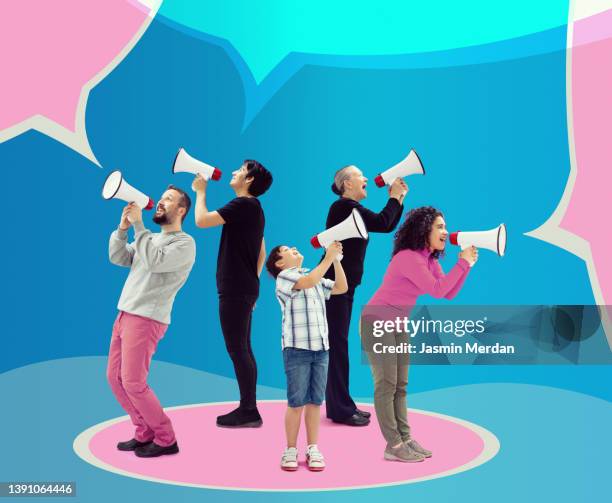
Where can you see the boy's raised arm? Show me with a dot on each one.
(314, 276)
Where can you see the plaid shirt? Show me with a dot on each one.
(304, 318)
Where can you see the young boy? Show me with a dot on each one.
(304, 341)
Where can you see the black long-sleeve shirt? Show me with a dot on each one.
(354, 249)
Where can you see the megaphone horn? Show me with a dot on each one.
(352, 226)
(184, 163)
(115, 187)
(411, 165)
(494, 239)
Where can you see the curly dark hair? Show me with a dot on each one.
(414, 232)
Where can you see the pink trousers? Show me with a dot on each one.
(132, 346)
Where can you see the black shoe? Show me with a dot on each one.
(363, 413)
(152, 450)
(240, 418)
(354, 420)
(130, 445)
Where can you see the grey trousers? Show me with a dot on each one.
(390, 373)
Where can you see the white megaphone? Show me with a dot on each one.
(411, 165)
(115, 187)
(494, 240)
(184, 163)
(352, 226)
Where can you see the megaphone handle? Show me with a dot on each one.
(339, 256)
(465, 247)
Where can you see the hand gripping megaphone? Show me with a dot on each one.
(494, 239)
(184, 163)
(352, 226)
(411, 165)
(115, 187)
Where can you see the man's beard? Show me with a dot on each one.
(162, 219)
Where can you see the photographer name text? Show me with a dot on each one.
(456, 328)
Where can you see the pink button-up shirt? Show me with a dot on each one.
(414, 272)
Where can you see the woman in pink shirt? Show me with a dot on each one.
(414, 270)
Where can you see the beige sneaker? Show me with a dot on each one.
(416, 447)
(289, 461)
(314, 458)
(403, 453)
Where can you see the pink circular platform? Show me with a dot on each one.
(248, 459)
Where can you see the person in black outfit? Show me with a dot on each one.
(242, 254)
(350, 185)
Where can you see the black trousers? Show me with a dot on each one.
(338, 402)
(235, 313)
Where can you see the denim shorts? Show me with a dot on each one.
(306, 376)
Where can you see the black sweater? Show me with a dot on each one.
(354, 249)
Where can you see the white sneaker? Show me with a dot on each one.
(289, 461)
(314, 458)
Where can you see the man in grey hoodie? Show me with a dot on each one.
(159, 266)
